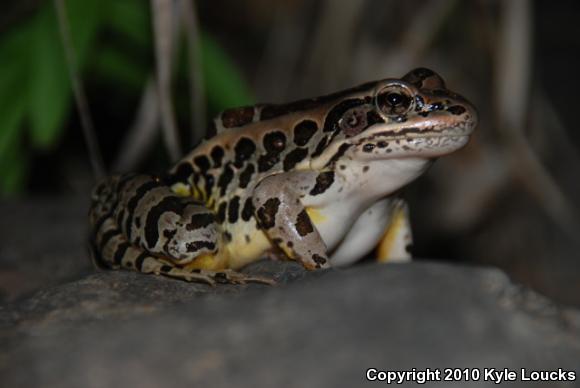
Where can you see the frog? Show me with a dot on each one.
(316, 181)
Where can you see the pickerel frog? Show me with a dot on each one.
(312, 180)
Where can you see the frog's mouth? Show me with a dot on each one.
(437, 125)
(418, 137)
(384, 145)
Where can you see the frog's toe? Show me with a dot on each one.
(189, 275)
(232, 277)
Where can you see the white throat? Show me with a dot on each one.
(380, 178)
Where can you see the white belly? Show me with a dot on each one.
(353, 214)
(349, 234)
(364, 235)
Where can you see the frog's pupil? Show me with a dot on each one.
(394, 99)
(352, 120)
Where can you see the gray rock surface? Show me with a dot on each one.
(321, 329)
(324, 330)
(42, 243)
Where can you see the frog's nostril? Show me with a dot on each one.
(456, 110)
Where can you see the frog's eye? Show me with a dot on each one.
(394, 100)
(353, 121)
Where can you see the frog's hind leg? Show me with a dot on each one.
(138, 223)
(397, 239)
(152, 217)
(111, 250)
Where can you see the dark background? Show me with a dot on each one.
(509, 199)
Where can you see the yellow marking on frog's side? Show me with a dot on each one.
(388, 243)
(208, 261)
(242, 252)
(288, 252)
(211, 204)
(201, 195)
(315, 215)
(181, 189)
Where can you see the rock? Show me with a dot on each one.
(64, 325)
(43, 243)
(318, 329)
(123, 294)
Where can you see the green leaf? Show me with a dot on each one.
(34, 83)
(131, 18)
(13, 171)
(49, 86)
(116, 66)
(13, 163)
(224, 83)
(85, 19)
(13, 70)
(13, 67)
(14, 48)
(14, 42)
(11, 119)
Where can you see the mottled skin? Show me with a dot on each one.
(313, 179)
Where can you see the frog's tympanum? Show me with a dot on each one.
(312, 180)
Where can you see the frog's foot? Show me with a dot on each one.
(397, 239)
(184, 274)
(211, 277)
(229, 276)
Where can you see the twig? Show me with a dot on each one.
(163, 23)
(513, 73)
(277, 66)
(423, 28)
(513, 66)
(545, 111)
(142, 133)
(332, 43)
(79, 93)
(198, 104)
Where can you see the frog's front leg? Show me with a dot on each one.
(282, 216)
(397, 238)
